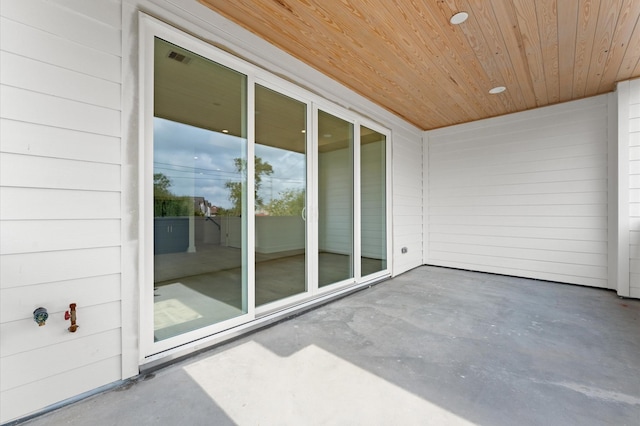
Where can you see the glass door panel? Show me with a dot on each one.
(199, 174)
(280, 199)
(335, 199)
(373, 220)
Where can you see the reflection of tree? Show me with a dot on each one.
(289, 203)
(161, 185)
(235, 188)
(165, 203)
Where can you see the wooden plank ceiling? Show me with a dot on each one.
(406, 56)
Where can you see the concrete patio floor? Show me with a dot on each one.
(432, 346)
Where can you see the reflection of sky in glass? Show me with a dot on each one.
(199, 162)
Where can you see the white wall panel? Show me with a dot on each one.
(18, 269)
(66, 23)
(52, 49)
(25, 203)
(91, 346)
(407, 201)
(52, 235)
(26, 73)
(43, 172)
(634, 188)
(34, 396)
(524, 194)
(23, 105)
(20, 137)
(60, 215)
(18, 303)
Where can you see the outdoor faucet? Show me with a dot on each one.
(72, 317)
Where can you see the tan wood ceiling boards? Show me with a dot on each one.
(405, 55)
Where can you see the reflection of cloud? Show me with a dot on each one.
(199, 162)
(289, 171)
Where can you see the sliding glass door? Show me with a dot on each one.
(199, 192)
(280, 196)
(258, 195)
(373, 201)
(335, 199)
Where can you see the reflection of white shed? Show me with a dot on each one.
(69, 139)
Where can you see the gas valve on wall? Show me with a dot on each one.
(40, 316)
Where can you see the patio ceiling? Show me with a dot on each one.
(407, 57)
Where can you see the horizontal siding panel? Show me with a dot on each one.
(519, 128)
(42, 172)
(538, 275)
(635, 291)
(21, 337)
(61, 357)
(19, 137)
(408, 191)
(533, 188)
(32, 397)
(595, 247)
(18, 303)
(36, 76)
(49, 48)
(522, 221)
(507, 253)
(634, 153)
(576, 140)
(106, 11)
(513, 138)
(37, 203)
(553, 164)
(498, 263)
(30, 236)
(578, 234)
(66, 23)
(32, 107)
(460, 161)
(17, 269)
(520, 178)
(401, 202)
(584, 198)
(408, 233)
(576, 210)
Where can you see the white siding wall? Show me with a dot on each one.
(60, 199)
(523, 195)
(634, 188)
(407, 201)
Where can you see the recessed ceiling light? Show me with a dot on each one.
(459, 18)
(498, 89)
(304, 131)
(327, 135)
(225, 131)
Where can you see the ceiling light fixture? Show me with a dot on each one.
(225, 131)
(497, 89)
(459, 18)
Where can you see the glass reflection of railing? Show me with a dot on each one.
(209, 218)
